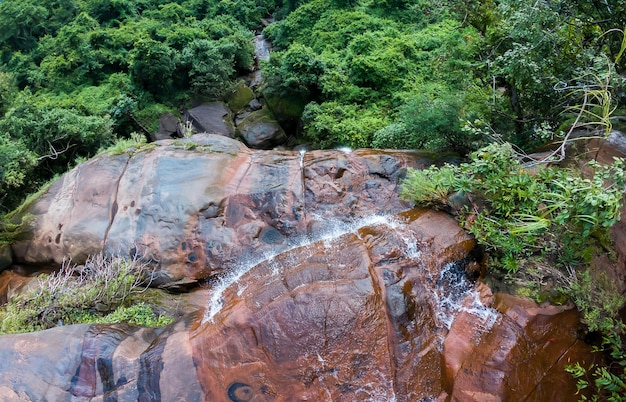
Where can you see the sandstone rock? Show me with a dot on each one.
(522, 357)
(362, 314)
(194, 209)
(260, 130)
(12, 284)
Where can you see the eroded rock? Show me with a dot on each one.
(192, 206)
(369, 312)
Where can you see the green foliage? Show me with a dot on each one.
(604, 382)
(332, 124)
(16, 162)
(552, 215)
(122, 145)
(76, 74)
(210, 67)
(138, 314)
(295, 71)
(513, 211)
(152, 65)
(101, 291)
(598, 300)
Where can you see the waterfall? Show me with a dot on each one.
(328, 234)
(455, 293)
(261, 48)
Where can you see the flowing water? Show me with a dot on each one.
(330, 232)
(261, 48)
(452, 291)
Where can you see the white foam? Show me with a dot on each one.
(455, 293)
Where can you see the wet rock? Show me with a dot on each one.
(192, 206)
(522, 357)
(260, 130)
(362, 314)
(95, 362)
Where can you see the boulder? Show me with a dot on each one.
(521, 357)
(260, 130)
(193, 206)
(240, 97)
(168, 127)
(211, 118)
(376, 309)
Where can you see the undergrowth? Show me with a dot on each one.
(103, 290)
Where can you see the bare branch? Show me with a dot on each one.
(54, 154)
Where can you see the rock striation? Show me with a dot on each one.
(378, 310)
(324, 286)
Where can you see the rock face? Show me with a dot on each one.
(378, 310)
(6, 256)
(195, 206)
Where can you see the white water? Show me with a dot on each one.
(452, 289)
(453, 292)
(261, 47)
(332, 231)
(302, 152)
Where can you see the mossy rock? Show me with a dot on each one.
(287, 109)
(261, 130)
(239, 97)
(6, 256)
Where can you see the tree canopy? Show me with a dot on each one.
(394, 73)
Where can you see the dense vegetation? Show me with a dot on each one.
(75, 75)
(411, 73)
(79, 75)
(541, 230)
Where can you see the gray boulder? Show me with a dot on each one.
(261, 130)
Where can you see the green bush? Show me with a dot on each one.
(515, 212)
(538, 219)
(104, 290)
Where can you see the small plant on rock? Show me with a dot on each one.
(104, 289)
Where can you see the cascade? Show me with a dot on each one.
(330, 232)
(261, 48)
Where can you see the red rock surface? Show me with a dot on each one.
(193, 210)
(382, 312)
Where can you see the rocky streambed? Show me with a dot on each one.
(318, 283)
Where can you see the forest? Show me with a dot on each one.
(77, 76)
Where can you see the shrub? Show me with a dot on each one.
(554, 216)
(516, 212)
(103, 290)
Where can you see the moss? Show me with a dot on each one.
(239, 97)
(285, 108)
